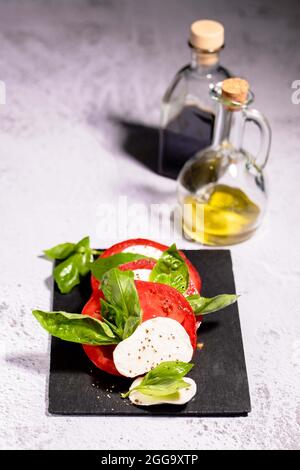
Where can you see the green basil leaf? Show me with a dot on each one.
(113, 316)
(61, 251)
(164, 390)
(78, 259)
(121, 300)
(76, 328)
(203, 305)
(85, 261)
(83, 245)
(66, 274)
(170, 370)
(164, 380)
(102, 265)
(117, 331)
(171, 269)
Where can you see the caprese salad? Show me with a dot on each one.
(142, 317)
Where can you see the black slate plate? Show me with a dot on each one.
(76, 387)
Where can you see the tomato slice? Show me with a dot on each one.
(195, 280)
(160, 300)
(143, 263)
(138, 264)
(156, 300)
(101, 356)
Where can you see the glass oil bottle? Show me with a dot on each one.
(222, 189)
(188, 113)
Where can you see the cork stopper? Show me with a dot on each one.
(235, 89)
(207, 35)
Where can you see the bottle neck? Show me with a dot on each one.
(205, 61)
(228, 128)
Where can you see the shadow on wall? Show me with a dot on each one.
(139, 141)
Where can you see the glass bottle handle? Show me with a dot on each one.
(259, 119)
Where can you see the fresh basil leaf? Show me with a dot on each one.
(170, 370)
(164, 380)
(164, 390)
(83, 245)
(61, 251)
(66, 274)
(122, 304)
(76, 328)
(203, 305)
(85, 261)
(113, 316)
(171, 269)
(102, 265)
(77, 261)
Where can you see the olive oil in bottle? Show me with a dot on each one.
(222, 189)
(223, 215)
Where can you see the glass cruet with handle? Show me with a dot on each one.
(222, 189)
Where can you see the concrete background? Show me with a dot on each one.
(82, 77)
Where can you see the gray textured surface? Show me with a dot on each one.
(73, 70)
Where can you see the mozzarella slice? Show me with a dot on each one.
(146, 250)
(141, 274)
(154, 341)
(184, 395)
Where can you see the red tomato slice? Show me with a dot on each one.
(138, 264)
(195, 280)
(131, 266)
(160, 300)
(156, 300)
(95, 284)
(101, 356)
